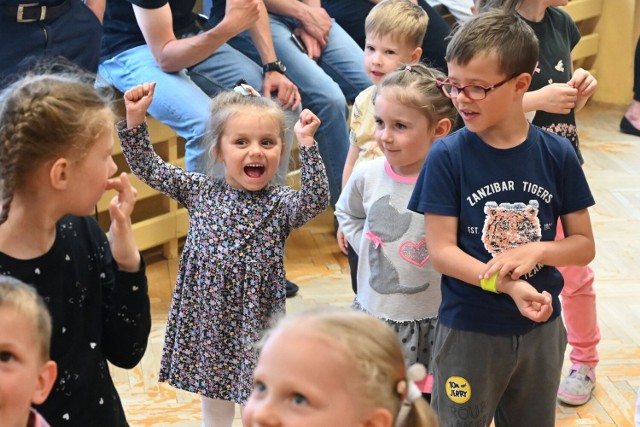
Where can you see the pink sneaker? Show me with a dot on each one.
(575, 389)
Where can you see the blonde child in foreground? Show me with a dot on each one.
(492, 194)
(26, 372)
(231, 278)
(394, 31)
(56, 139)
(397, 282)
(335, 367)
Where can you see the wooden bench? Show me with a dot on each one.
(586, 14)
(157, 219)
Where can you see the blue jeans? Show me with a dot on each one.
(179, 102)
(326, 86)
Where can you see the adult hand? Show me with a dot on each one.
(287, 92)
(317, 23)
(313, 46)
(121, 241)
(241, 14)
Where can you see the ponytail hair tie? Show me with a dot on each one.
(243, 88)
(409, 391)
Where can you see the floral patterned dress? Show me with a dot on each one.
(231, 277)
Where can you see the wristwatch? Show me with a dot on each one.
(278, 66)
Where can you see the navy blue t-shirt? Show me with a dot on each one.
(502, 198)
(121, 31)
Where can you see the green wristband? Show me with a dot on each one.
(490, 284)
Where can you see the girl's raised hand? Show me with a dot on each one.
(137, 101)
(123, 245)
(306, 127)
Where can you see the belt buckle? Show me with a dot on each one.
(22, 6)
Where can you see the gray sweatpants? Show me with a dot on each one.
(515, 379)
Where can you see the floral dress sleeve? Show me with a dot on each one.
(313, 197)
(171, 180)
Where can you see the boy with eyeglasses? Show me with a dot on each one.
(492, 194)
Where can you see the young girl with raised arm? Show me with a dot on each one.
(56, 137)
(556, 93)
(335, 367)
(231, 277)
(396, 281)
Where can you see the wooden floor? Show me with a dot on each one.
(314, 262)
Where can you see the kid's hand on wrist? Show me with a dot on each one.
(513, 263)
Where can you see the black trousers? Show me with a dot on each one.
(75, 35)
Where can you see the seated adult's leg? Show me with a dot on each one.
(350, 15)
(343, 61)
(177, 102)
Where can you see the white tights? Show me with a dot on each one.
(217, 413)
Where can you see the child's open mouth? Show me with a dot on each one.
(254, 171)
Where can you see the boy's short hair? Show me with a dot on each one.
(495, 31)
(398, 19)
(25, 300)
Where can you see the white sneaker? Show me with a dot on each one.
(575, 389)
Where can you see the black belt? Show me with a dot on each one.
(33, 12)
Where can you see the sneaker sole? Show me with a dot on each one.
(573, 400)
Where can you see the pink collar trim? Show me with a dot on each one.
(399, 178)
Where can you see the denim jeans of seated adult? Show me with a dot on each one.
(178, 102)
(325, 86)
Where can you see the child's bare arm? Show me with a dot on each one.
(445, 254)
(449, 259)
(137, 101)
